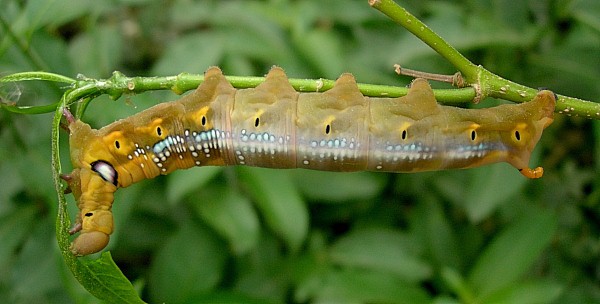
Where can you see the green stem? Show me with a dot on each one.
(484, 82)
(120, 84)
(30, 109)
(423, 32)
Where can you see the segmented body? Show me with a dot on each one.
(274, 126)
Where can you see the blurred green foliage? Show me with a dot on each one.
(232, 235)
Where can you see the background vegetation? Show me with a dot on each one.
(210, 234)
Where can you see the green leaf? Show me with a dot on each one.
(193, 53)
(230, 214)
(360, 286)
(191, 262)
(103, 278)
(30, 280)
(97, 52)
(14, 228)
(264, 272)
(457, 284)
(436, 232)
(186, 181)
(226, 298)
(537, 292)
(279, 202)
(338, 187)
(445, 300)
(322, 48)
(512, 253)
(483, 189)
(380, 250)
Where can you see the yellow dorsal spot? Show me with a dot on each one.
(117, 143)
(472, 132)
(257, 118)
(327, 124)
(403, 129)
(201, 118)
(519, 134)
(154, 128)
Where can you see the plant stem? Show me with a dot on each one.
(120, 84)
(484, 82)
(423, 32)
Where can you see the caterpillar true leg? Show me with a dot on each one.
(76, 228)
(68, 116)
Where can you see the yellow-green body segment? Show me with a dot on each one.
(274, 126)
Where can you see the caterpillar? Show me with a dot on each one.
(274, 126)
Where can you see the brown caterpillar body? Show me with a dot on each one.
(274, 126)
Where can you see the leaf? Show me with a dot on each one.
(537, 292)
(192, 53)
(279, 202)
(586, 12)
(361, 286)
(230, 214)
(481, 190)
(104, 279)
(445, 300)
(186, 181)
(14, 228)
(433, 227)
(100, 277)
(251, 33)
(456, 283)
(191, 262)
(491, 186)
(264, 272)
(380, 250)
(339, 188)
(225, 297)
(512, 252)
(97, 52)
(30, 280)
(322, 48)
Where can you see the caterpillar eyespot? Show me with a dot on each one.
(105, 170)
(218, 125)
